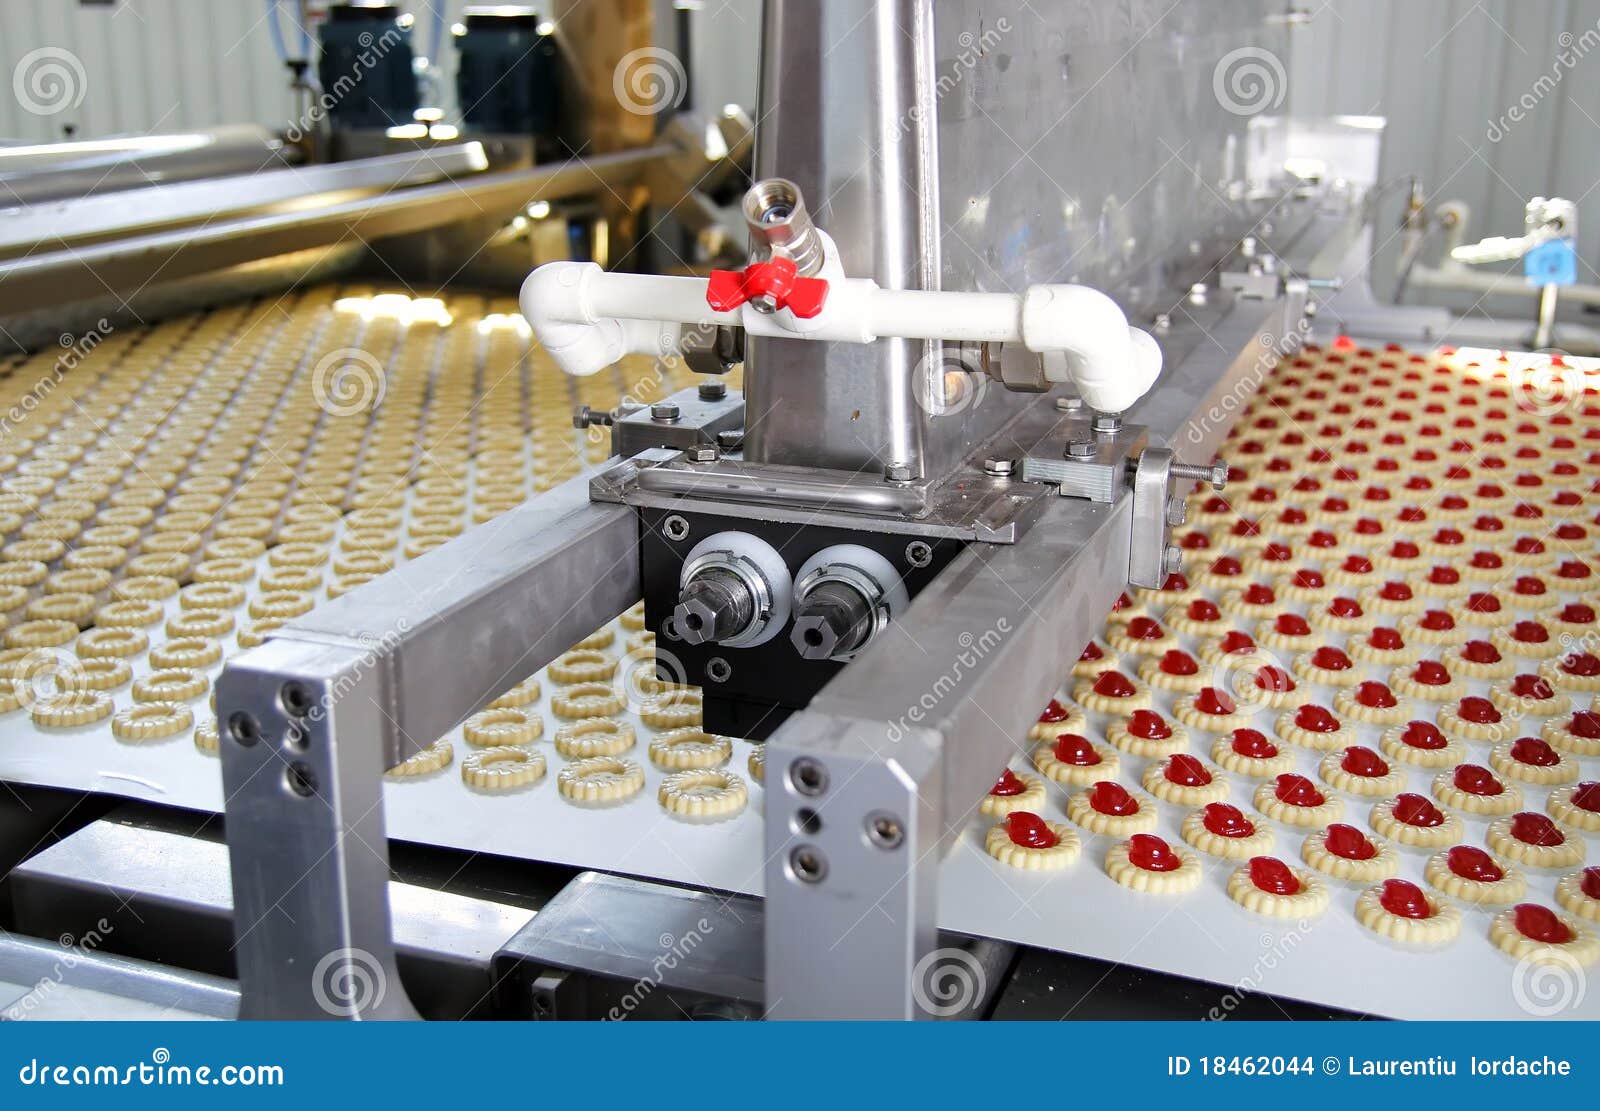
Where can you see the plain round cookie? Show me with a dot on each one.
(505, 768)
(702, 794)
(600, 779)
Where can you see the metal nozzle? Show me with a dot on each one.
(833, 620)
(779, 225)
(715, 606)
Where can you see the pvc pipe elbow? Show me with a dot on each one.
(1111, 364)
(554, 299)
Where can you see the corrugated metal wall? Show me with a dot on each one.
(1448, 74)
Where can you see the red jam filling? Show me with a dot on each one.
(1317, 719)
(1113, 799)
(1539, 923)
(1430, 673)
(1195, 541)
(1273, 876)
(1259, 594)
(1344, 607)
(1212, 701)
(1008, 785)
(1423, 735)
(1362, 761)
(1309, 579)
(1291, 625)
(1175, 661)
(1147, 851)
(1590, 883)
(1091, 651)
(1583, 664)
(1483, 603)
(1145, 628)
(1487, 561)
(1439, 621)
(1226, 566)
(1532, 686)
(1449, 537)
(1529, 632)
(1536, 829)
(1475, 779)
(1277, 553)
(1357, 565)
(1375, 695)
(1329, 658)
(1534, 752)
(1235, 641)
(1404, 549)
(1529, 586)
(1527, 545)
(1149, 725)
(1472, 863)
(1576, 613)
(1348, 842)
(1076, 750)
(1030, 831)
(1417, 810)
(1586, 796)
(1585, 724)
(1395, 591)
(1054, 712)
(1114, 684)
(1480, 652)
(1297, 790)
(1203, 609)
(1186, 771)
(1573, 569)
(1253, 744)
(1404, 899)
(1227, 821)
(1386, 639)
(1444, 576)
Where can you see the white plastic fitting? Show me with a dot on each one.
(588, 318)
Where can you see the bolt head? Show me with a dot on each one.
(814, 638)
(665, 411)
(898, 472)
(1107, 423)
(1069, 404)
(1081, 449)
(1219, 474)
(731, 439)
(713, 391)
(703, 453)
(695, 621)
(997, 468)
(1177, 511)
(1172, 559)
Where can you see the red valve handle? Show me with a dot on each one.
(777, 279)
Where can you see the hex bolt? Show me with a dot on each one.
(1215, 472)
(1106, 424)
(1177, 511)
(715, 606)
(1081, 449)
(997, 468)
(1172, 559)
(713, 391)
(898, 472)
(583, 416)
(731, 439)
(832, 620)
(703, 453)
(665, 412)
(1069, 404)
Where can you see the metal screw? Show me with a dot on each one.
(1162, 323)
(1107, 424)
(885, 830)
(808, 776)
(1197, 293)
(1069, 404)
(718, 670)
(1081, 449)
(1172, 559)
(1215, 472)
(666, 412)
(919, 553)
(675, 528)
(997, 468)
(703, 453)
(713, 391)
(898, 472)
(731, 439)
(808, 864)
(1177, 511)
(583, 416)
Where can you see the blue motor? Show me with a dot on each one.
(509, 78)
(366, 67)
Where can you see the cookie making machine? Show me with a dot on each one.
(947, 462)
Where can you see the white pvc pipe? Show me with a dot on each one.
(587, 318)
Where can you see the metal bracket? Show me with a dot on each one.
(1147, 550)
